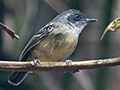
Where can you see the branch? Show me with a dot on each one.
(58, 66)
(9, 31)
(56, 4)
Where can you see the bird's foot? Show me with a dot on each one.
(68, 62)
(36, 61)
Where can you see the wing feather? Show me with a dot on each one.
(36, 39)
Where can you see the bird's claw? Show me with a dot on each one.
(36, 61)
(68, 62)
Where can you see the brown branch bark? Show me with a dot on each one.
(9, 31)
(58, 66)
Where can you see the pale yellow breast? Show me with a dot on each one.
(55, 47)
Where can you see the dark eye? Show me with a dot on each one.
(77, 16)
(74, 18)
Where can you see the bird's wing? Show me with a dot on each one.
(36, 39)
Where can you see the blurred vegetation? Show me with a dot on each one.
(26, 17)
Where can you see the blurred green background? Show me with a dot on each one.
(26, 17)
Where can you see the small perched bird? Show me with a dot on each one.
(54, 42)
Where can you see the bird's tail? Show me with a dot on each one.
(16, 78)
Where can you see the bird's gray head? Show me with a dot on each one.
(75, 18)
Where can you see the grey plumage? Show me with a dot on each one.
(54, 42)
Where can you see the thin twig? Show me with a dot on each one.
(58, 5)
(9, 31)
(58, 66)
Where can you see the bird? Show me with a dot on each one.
(55, 42)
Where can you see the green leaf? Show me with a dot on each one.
(106, 30)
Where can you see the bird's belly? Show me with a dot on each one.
(54, 49)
